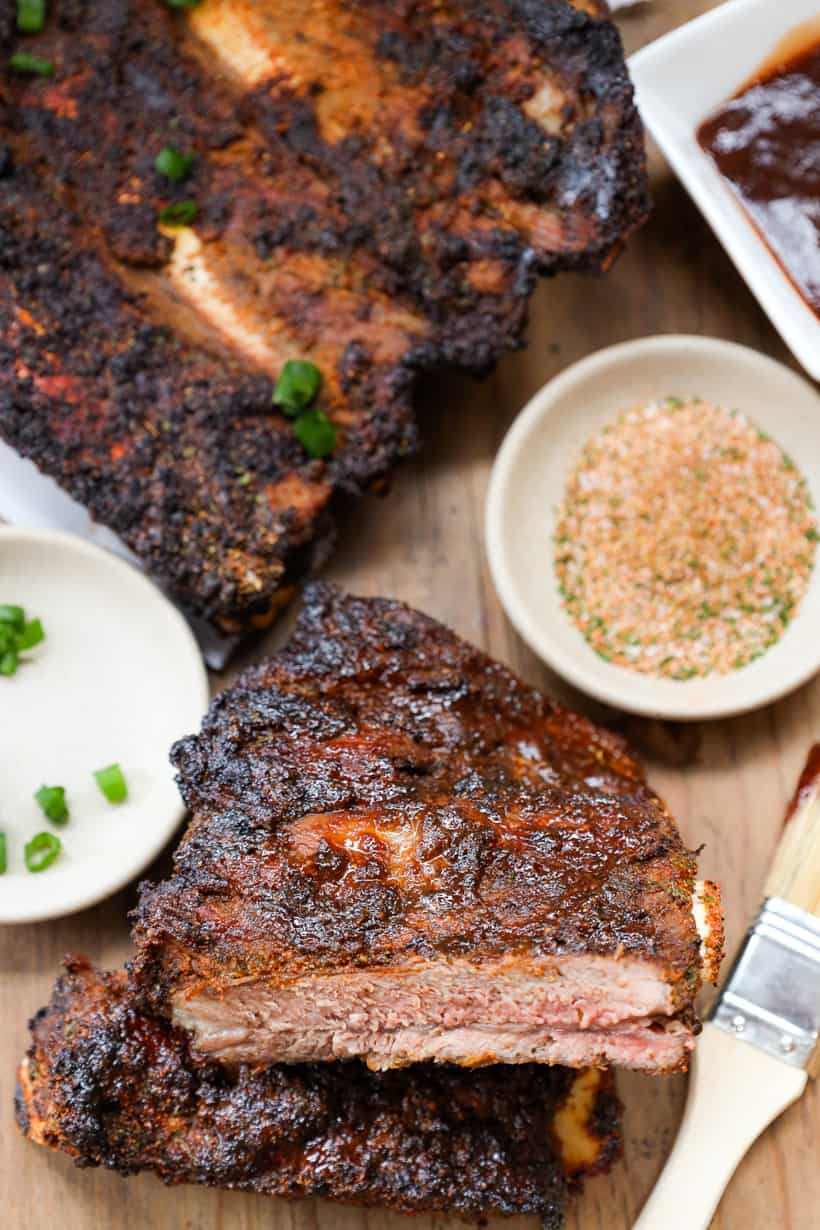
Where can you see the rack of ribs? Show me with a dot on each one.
(377, 186)
(400, 853)
(114, 1087)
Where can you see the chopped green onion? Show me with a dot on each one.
(41, 851)
(52, 803)
(178, 213)
(8, 662)
(16, 636)
(112, 783)
(315, 432)
(31, 635)
(173, 164)
(31, 16)
(183, 4)
(14, 615)
(3, 856)
(298, 384)
(25, 62)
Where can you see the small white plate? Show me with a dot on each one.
(527, 484)
(118, 678)
(680, 80)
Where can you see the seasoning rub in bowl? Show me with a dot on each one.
(685, 540)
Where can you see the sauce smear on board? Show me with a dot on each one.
(766, 143)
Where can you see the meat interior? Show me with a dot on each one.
(111, 1085)
(400, 852)
(580, 1012)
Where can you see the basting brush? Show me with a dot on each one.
(760, 1044)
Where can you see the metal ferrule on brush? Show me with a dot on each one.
(771, 998)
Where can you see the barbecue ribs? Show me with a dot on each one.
(377, 185)
(400, 852)
(113, 1087)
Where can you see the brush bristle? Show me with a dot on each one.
(795, 872)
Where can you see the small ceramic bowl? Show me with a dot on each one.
(118, 678)
(527, 484)
(684, 77)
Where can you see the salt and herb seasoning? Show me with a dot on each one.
(685, 540)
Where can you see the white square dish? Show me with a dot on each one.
(681, 79)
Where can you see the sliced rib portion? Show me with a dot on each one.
(376, 186)
(174, 448)
(400, 852)
(111, 1086)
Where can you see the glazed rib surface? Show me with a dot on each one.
(111, 1086)
(399, 851)
(377, 185)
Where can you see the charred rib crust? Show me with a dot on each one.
(113, 1087)
(177, 451)
(531, 831)
(378, 241)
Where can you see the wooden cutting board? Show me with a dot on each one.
(727, 782)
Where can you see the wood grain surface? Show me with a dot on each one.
(727, 782)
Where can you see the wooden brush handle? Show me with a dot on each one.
(795, 871)
(735, 1091)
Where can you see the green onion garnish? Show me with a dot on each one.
(41, 851)
(31, 16)
(298, 384)
(13, 615)
(112, 783)
(173, 164)
(52, 803)
(25, 62)
(16, 636)
(183, 4)
(31, 635)
(8, 662)
(3, 857)
(178, 213)
(315, 432)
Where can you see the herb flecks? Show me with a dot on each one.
(33, 66)
(297, 388)
(18, 636)
(31, 16)
(179, 213)
(315, 433)
(52, 803)
(173, 164)
(111, 782)
(41, 851)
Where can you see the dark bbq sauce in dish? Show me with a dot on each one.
(766, 142)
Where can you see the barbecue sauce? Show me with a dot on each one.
(766, 142)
